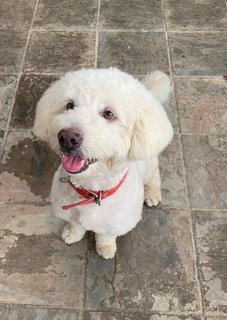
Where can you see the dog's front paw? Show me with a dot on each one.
(72, 233)
(106, 249)
(152, 196)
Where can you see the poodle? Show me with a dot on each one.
(108, 129)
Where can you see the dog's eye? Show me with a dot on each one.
(108, 114)
(70, 105)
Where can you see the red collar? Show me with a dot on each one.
(93, 196)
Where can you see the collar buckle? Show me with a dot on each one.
(97, 196)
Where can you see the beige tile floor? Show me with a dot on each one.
(173, 266)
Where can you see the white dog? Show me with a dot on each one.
(109, 129)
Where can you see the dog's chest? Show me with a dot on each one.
(117, 214)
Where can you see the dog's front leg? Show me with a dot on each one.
(152, 183)
(106, 245)
(73, 232)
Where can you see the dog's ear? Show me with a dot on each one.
(152, 132)
(40, 128)
(44, 110)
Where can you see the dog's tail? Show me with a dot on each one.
(159, 84)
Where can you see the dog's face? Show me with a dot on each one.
(101, 119)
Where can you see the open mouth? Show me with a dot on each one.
(76, 164)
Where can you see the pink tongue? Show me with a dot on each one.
(72, 163)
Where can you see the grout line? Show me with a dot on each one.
(59, 74)
(14, 306)
(13, 74)
(196, 265)
(197, 31)
(167, 43)
(62, 30)
(87, 29)
(85, 276)
(65, 30)
(216, 315)
(198, 76)
(85, 267)
(97, 34)
(26, 203)
(46, 203)
(79, 29)
(19, 77)
(161, 30)
(193, 236)
(21, 130)
(145, 311)
(175, 101)
(203, 134)
(195, 256)
(81, 315)
(209, 210)
(34, 73)
(188, 202)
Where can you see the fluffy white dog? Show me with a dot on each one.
(109, 129)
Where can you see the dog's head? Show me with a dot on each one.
(100, 118)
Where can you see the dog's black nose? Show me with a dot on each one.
(69, 139)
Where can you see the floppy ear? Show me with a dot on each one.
(151, 134)
(40, 128)
(44, 111)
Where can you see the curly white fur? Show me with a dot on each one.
(131, 142)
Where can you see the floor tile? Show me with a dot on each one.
(37, 314)
(202, 105)
(36, 267)
(53, 56)
(28, 168)
(172, 176)
(211, 240)
(11, 50)
(209, 15)
(154, 267)
(133, 316)
(205, 158)
(198, 54)
(134, 52)
(31, 88)
(16, 15)
(75, 14)
(131, 15)
(7, 87)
